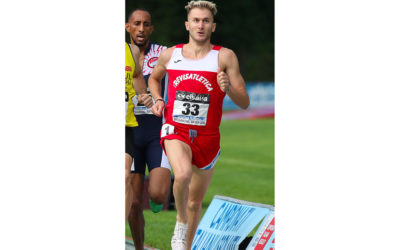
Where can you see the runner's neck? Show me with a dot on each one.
(195, 51)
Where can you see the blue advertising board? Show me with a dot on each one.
(261, 94)
(227, 222)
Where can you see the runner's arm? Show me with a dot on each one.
(155, 81)
(236, 90)
(138, 80)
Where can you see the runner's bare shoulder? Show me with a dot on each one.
(165, 56)
(226, 56)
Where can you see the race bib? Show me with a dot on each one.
(191, 108)
(167, 129)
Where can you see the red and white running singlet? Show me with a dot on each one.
(194, 96)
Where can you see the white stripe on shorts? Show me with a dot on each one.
(133, 166)
(165, 162)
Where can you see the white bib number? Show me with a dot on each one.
(167, 129)
(191, 108)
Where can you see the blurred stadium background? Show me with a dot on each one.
(245, 169)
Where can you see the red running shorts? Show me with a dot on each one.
(205, 144)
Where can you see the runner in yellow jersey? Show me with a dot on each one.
(134, 82)
(129, 90)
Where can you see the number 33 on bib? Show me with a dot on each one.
(191, 108)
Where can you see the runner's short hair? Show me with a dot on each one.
(202, 4)
(128, 17)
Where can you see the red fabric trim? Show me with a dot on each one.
(216, 47)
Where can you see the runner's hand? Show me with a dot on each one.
(146, 100)
(223, 80)
(158, 108)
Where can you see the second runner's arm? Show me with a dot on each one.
(155, 81)
(138, 80)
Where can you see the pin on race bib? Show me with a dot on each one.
(191, 108)
(167, 129)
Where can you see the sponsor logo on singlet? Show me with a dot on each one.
(192, 97)
(151, 63)
(151, 57)
(193, 76)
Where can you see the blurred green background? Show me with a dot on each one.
(246, 27)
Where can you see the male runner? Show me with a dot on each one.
(133, 81)
(200, 74)
(147, 148)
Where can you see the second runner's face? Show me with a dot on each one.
(140, 28)
(200, 24)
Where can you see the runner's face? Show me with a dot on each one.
(140, 28)
(200, 24)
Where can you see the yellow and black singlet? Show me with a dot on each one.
(129, 90)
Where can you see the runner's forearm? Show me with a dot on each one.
(155, 88)
(239, 96)
(139, 84)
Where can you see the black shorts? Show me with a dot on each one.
(129, 140)
(148, 151)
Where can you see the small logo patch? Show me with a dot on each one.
(152, 62)
(128, 68)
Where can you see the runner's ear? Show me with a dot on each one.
(127, 27)
(214, 25)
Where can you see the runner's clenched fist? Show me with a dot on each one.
(223, 80)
